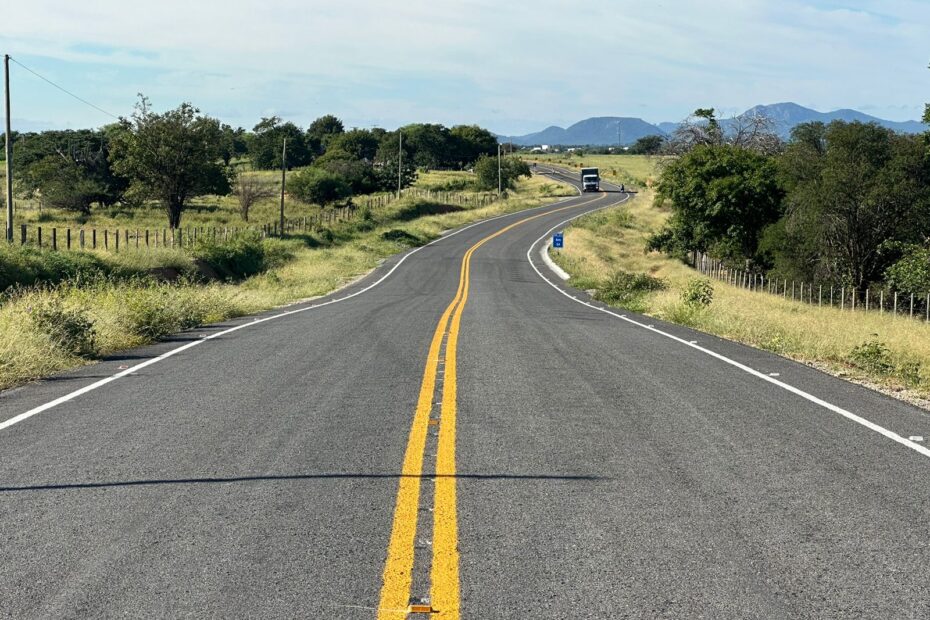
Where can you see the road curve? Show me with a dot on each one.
(469, 437)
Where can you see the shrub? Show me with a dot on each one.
(628, 289)
(402, 237)
(318, 186)
(153, 312)
(27, 265)
(872, 356)
(699, 292)
(237, 258)
(70, 329)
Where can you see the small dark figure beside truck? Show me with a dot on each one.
(590, 180)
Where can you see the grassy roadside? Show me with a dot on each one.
(631, 170)
(892, 354)
(113, 305)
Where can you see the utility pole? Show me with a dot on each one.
(9, 152)
(283, 179)
(499, 183)
(400, 156)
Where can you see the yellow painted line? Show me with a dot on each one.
(398, 567)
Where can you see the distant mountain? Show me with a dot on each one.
(602, 131)
(786, 116)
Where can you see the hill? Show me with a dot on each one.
(602, 131)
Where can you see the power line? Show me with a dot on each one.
(64, 90)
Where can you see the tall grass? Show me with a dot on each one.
(888, 351)
(61, 322)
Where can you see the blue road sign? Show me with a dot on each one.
(558, 240)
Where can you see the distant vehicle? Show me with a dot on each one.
(590, 180)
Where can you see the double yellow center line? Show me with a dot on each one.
(444, 573)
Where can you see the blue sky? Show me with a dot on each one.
(512, 67)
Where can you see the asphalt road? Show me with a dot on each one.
(464, 429)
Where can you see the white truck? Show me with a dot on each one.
(590, 180)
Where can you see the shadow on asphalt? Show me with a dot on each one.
(295, 477)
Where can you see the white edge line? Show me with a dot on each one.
(133, 369)
(790, 388)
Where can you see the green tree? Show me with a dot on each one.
(83, 157)
(430, 145)
(316, 186)
(469, 142)
(385, 164)
(851, 190)
(648, 145)
(265, 145)
(357, 144)
(171, 157)
(323, 130)
(234, 143)
(511, 169)
(721, 198)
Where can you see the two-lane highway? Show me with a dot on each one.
(469, 436)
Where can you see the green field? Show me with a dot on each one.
(637, 171)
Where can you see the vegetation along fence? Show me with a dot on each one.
(92, 238)
(883, 301)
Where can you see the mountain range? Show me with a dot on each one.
(603, 130)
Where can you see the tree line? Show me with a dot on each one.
(842, 203)
(174, 156)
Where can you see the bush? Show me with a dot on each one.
(237, 258)
(699, 292)
(511, 169)
(628, 289)
(70, 329)
(402, 237)
(872, 356)
(317, 186)
(911, 273)
(27, 265)
(153, 312)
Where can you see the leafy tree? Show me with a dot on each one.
(648, 145)
(322, 131)
(511, 169)
(83, 157)
(317, 186)
(430, 144)
(358, 173)
(852, 189)
(385, 164)
(721, 198)
(265, 145)
(357, 144)
(171, 157)
(469, 142)
(234, 143)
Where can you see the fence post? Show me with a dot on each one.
(93, 238)
(68, 238)
(147, 237)
(116, 236)
(106, 239)
(39, 236)
(820, 295)
(866, 300)
(54, 238)
(81, 234)
(22, 234)
(843, 298)
(912, 305)
(881, 302)
(928, 307)
(896, 303)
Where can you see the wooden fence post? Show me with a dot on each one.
(68, 238)
(39, 236)
(93, 238)
(22, 234)
(54, 238)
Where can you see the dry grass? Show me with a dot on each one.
(637, 171)
(598, 245)
(124, 314)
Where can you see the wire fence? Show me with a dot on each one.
(881, 300)
(116, 239)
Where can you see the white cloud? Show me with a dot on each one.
(503, 63)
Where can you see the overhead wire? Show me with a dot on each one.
(64, 90)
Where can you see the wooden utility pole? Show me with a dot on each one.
(9, 152)
(283, 179)
(499, 183)
(400, 155)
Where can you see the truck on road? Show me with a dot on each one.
(590, 180)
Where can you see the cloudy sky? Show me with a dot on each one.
(510, 66)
